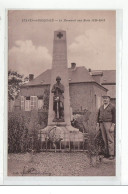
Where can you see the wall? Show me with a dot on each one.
(82, 95)
(111, 90)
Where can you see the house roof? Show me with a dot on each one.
(42, 79)
(77, 75)
(108, 76)
(95, 73)
(108, 80)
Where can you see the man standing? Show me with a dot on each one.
(106, 122)
(58, 100)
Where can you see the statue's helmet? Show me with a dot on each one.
(58, 78)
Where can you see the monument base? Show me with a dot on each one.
(63, 133)
(58, 120)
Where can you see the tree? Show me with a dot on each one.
(15, 81)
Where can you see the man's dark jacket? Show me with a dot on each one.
(107, 115)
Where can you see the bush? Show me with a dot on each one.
(18, 134)
(86, 123)
(23, 128)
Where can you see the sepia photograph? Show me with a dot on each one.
(61, 93)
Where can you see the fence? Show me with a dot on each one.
(68, 142)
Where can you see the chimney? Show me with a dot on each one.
(89, 70)
(31, 77)
(73, 65)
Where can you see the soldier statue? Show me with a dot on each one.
(58, 100)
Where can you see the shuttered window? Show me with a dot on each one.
(22, 102)
(40, 102)
(33, 102)
(27, 104)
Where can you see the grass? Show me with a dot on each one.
(57, 164)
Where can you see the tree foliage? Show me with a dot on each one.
(15, 81)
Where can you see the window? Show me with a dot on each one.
(22, 102)
(40, 102)
(33, 102)
(27, 104)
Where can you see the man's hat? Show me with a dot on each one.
(104, 96)
(58, 78)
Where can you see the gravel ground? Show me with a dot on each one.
(58, 164)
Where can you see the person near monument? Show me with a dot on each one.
(106, 122)
(58, 100)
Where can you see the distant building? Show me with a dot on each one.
(107, 78)
(86, 88)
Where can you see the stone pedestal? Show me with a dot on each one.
(59, 68)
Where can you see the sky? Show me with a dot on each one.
(91, 39)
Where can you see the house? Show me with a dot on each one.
(106, 78)
(86, 88)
